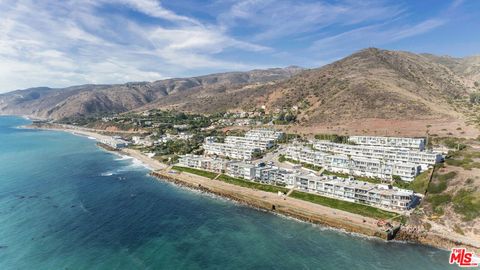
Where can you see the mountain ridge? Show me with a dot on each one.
(369, 84)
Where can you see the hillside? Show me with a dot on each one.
(399, 92)
(84, 100)
(395, 91)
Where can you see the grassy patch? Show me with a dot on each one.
(466, 158)
(364, 210)
(203, 173)
(305, 165)
(438, 201)
(254, 185)
(359, 178)
(467, 203)
(440, 182)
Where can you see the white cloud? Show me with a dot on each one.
(61, 43)
(371, 36)
(277, 19)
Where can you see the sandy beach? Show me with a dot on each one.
(151, 163)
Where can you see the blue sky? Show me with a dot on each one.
(61, 43)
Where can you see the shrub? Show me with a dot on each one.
(467, 203)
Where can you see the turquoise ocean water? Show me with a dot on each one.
(65, 204)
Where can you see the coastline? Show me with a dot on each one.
(290, 207)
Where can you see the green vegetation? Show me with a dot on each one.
(282, 158)
(312, 167)
(355, 208)
(475, 97)
(332, 137)
(466, 158)
(419, 184)
(440, 182)
(438, 201)
(249, 184)
(203, 173)
(359, 178)
(285, 118)
(453, 143)
(467, 203)
(288, 138)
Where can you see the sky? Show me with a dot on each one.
(60, 43)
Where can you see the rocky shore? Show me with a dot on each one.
(310, 212)
(291, 207)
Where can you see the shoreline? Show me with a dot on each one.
(272, 203)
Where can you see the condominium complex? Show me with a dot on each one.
(243, 148)
(388, 154)
(399, 142)
(353, 165)
(378, 195)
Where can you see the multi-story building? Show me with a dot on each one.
(378, 195)
(353, 165)
(267, 134)
(241, 169)
(232, 151)
(244, 148)
(399, 142)
(275, 175)
(388, 154)
(204, 163)
(249, 142)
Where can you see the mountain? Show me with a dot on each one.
(374, 83)
(402, 89)
(82, 100)
(380, 87)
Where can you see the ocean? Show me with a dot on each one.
(66, 204)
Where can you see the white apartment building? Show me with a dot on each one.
(275, 175)
(243, 148)
(232, 151)
(353, 165)
(263, 133)
(384, 196)
(205, 163)
(378, 195)
(250, 142)
(389, 154)
(399, 142)
(241, 170)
